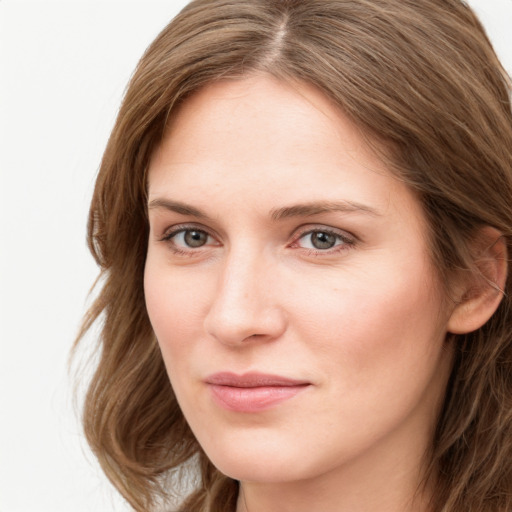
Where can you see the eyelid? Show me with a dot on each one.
(173, 230)
(311, 228)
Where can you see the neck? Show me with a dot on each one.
(304, 498)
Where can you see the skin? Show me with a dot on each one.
(363, 322)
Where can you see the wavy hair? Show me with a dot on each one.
(418, 75)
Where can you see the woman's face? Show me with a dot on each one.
(289, 284)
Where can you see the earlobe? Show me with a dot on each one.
(482, 293)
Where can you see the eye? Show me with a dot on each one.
(192, 238)
(189, 238)
(323, 240)
(320, 240)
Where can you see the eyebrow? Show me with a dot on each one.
(177, 207)
(285, 212)
(316, 208)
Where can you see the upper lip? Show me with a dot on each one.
(252, 380)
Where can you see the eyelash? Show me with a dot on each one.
(343, 242)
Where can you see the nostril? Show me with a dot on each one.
(254, 336)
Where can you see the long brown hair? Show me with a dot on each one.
(418, 75)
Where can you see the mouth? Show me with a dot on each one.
(252, 392)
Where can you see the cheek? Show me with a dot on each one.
(383, 324)
(175, 303)
(379, 351)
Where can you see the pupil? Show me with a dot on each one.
(322, 240)
(195, 238)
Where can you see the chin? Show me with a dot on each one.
(268, 461)
(262, 470)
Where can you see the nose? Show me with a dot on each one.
(245, 306)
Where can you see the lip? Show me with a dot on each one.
(252, 392)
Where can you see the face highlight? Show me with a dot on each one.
(289, 285)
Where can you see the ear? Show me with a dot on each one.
(480, 295)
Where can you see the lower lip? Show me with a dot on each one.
(253, 399)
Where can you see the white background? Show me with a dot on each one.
(63, 69)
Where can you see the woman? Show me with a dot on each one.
(303, 222)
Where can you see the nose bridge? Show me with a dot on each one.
(245, 305)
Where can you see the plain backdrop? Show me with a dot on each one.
(63, 69)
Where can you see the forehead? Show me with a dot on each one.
(265, 107)
(284, 142)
